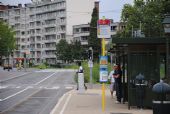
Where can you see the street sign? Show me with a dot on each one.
(90, 64)
(103, 28)
(103, 69)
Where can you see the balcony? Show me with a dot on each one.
(49, 48)
(49, 56)
(50, 40)
(81, 34)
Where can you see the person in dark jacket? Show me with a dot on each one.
(118, 83)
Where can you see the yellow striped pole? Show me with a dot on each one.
(103, 85)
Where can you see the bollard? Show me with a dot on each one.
(81, 87)
(160, 103)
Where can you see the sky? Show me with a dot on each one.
(111, 9)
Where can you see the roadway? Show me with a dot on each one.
(33, 92)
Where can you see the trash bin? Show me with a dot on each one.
(140, 90)
(160, 104)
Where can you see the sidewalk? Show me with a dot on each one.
(89, 102)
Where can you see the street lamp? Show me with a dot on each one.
(166, 24)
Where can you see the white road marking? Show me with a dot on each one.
(30, 87)
(14, 94)
(69, 87)
(51, 87)
(56, 70)
(45, 79)
(58, 104)
(65, 104)
(16, 76)
(18, 87)
(3, 87)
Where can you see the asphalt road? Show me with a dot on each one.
(33, 92)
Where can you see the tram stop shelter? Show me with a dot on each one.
(145, 56)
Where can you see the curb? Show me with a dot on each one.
(62, 99)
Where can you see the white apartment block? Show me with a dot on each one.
(82, 32)
(39, 26)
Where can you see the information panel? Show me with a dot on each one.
(103, 28)
(103, 69)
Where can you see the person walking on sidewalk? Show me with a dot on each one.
(118, 84)
(112, 81)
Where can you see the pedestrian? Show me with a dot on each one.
(118, 83)
(112, 81)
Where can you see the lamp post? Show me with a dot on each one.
(166, 24)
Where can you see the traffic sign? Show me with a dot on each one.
(103, 28)
(90, 63)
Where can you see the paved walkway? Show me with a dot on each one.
(89, 102)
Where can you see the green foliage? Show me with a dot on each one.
(149, 14)
(41, 66)
(93, 41)
(69, 52)
(71, 66)
(77, 50)
(62, 50)
(7, 40)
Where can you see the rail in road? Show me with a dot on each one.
(36, 93)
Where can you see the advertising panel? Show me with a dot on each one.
(103, 69)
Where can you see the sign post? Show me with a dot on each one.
(103, 31)
(90, 65)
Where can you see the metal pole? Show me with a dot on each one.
(91, 69)
(8, 59)
(25, 58)
(103, 85)
(111, 59)
(132, 31)
(167, 56)
(91, 83)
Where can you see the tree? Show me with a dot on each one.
(152, 21)
(93, 41)
(77, 50)
(62, 50)
(7, 39)
(69, 52)
(148, 13)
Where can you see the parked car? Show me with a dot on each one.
(7, 66)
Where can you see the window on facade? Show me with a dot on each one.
(63, 35)
(113, 28)
(85, 29)
(38, 45)
(84, 38)
(17, 18)
(17, 12)
(22, 32)
(50, 29)
(76, 30)
(38, 38)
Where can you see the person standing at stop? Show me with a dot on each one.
(112, 81)
(118, 83)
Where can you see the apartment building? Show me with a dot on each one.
(43, 23)
(82, 32)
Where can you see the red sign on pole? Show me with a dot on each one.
(104, 22)
(103, 28)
